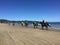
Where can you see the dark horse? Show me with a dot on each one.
(26, 23)
(44, 24)
(35, 24)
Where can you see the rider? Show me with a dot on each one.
(43, 22)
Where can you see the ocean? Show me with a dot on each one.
(55, 25)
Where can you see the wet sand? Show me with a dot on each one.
(17, 35)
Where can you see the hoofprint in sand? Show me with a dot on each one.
(17, 35)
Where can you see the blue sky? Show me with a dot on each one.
(49, 10)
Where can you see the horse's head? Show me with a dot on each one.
(40, 22)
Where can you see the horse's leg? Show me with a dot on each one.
(34, 26)
(26, 25)
(46, 27)
(42, 26)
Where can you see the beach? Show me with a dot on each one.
(18, 35)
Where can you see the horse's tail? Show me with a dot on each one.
(49, 25)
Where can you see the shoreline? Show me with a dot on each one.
(51, 28)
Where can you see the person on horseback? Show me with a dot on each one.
(44, 24)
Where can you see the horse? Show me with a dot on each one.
(35, 25)
(45, 24)
(26, 24)
(22, 23)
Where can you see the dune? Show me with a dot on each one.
(17, 35)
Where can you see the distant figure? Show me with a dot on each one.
(35, 24)
(44, 24)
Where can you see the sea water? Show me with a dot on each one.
(55, 25)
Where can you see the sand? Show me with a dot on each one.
(17, 35)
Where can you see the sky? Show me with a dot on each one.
(38, 10)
